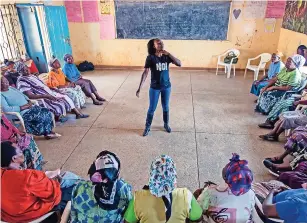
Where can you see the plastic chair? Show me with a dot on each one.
(296, 91)
(264, 58)
(20, 119)
(259, 207)
(220, 62)
(43, 77)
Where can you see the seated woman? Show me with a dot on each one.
(234, 201)
(106, 195)
(288, 104)
(162, 201)
(29, 194)
(38, 121)
(289, 205)
(274, 68)
(302, 50)
(25, 60)
(73, 75)
(287, 120)
(56, 81)
(33, 157)
(11, 74)
(289, 78)
(296, 147)
(34, 88)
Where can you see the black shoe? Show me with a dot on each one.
(272, 169)
(148, 124)
(274, 160)
(167, 128)
(146, 131)
(269, 137)
(266, 125)
(166, 121)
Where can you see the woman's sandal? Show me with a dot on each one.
(52, 136)
(272, 169)
(269, 137)
(101, 99)
(275, 160)
(82, 116)
(98, 103)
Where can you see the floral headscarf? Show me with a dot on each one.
(163, 176)
(238, 176)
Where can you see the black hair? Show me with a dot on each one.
(8, 151)
(302, 48)
(92, 168)
(8, 62)
(151, 46)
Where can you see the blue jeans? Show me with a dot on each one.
(154, 95)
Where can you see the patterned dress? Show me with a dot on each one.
(268, 99)
(56, 78)
(33, 157)
(85, 209)
(36, 86)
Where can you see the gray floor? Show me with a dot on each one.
(211, 117)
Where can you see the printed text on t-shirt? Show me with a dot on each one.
(161, 66)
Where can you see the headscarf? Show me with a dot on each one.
(66, 56)
(238, 176)
(8, 151)
(51, 61)
(163, 176)
(298, 60)
(104, 174)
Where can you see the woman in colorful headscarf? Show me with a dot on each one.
(57, 81)
(106, 197)
(161, 201)
(274, 68)
(33, 157)
(289, 78)
(234, 201)
(11, 74)
(56, 102)
(38, 121)
(73, 75)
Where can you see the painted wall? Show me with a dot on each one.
(246, 35)
(289, 41)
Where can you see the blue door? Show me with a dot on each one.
(32, 36)
(58, 32)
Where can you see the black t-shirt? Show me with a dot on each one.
(159, 67)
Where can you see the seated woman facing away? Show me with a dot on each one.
(56, 102)
(106, 197)
(38, 121)
(289, 78)
(287, 104)
(234, 201)
(274, 68)
(73, 75)
(11, 74)
(289, 205)
(162, 201)
(33, 157)
(287, 120)
(57, 81)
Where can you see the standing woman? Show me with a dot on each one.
(158, 61)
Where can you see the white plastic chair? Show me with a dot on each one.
(220, 62)
(264, 58)
(259, 205)
(19, 117)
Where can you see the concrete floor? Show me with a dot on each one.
(211, 117)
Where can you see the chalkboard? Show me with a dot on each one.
(205, 20)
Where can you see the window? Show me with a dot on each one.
(11, 39)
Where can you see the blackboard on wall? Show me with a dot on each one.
(205, 20)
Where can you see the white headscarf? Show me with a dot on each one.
(298, 60)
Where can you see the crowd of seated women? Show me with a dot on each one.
(106, 197)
